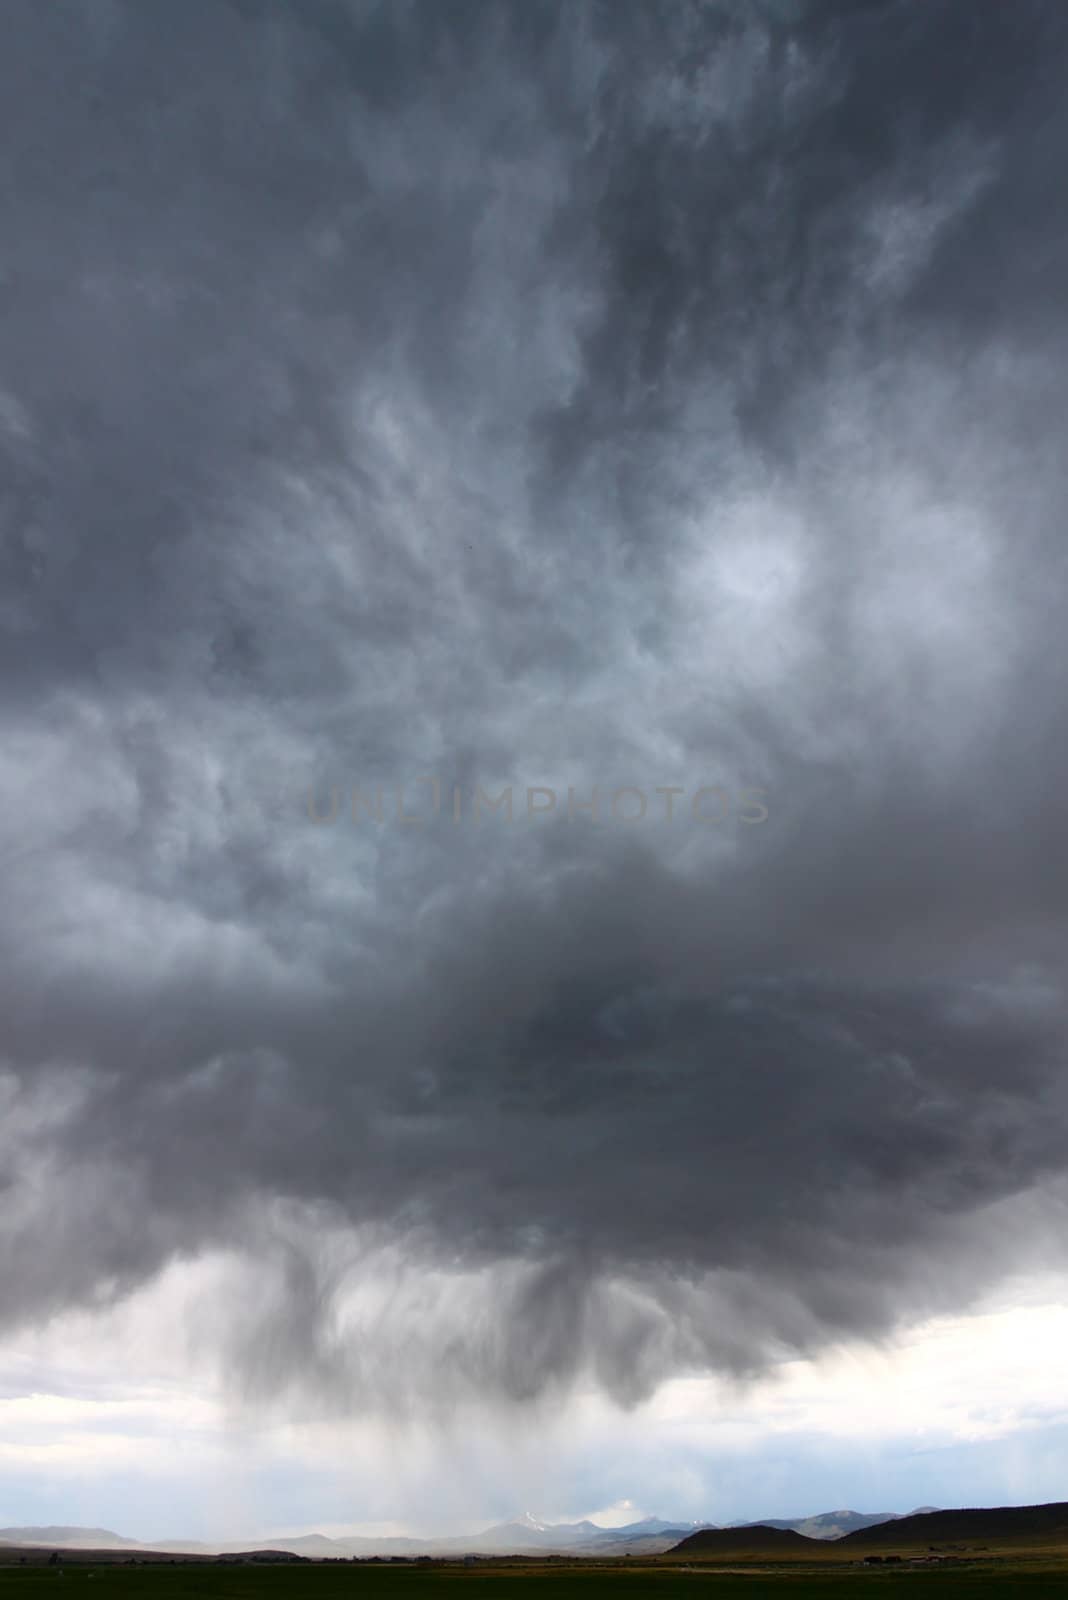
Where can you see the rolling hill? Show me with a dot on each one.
(759, 1536)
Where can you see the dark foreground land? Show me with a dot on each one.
(1032, 1577)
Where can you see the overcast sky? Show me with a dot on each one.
(534, 757)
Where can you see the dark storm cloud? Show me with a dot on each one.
(532, 395)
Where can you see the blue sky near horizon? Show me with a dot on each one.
(798, 1478)
(952, 1412)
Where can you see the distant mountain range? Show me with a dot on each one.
(77, 1538)
(918, 1531)
(523, 1535)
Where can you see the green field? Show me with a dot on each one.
(1030, 1578)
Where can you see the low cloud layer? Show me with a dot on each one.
(537, 396)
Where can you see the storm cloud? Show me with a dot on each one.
(529, 395)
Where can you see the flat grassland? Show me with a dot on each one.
(1033, 1575)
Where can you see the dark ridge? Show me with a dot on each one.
(992, 1523)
